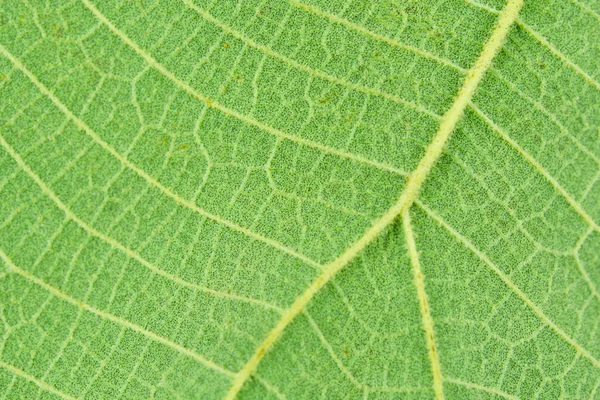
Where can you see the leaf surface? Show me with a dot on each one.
(300, 199)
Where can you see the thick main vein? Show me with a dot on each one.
(12, 267)
(152, 62)
(143, 174)
(546, 44)
(407, 198)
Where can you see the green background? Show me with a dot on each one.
(139, 220)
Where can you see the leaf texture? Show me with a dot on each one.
(331, 199)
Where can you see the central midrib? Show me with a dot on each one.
(407, 198)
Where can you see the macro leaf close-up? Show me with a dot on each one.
(299, 199)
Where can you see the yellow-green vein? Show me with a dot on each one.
(408, 196)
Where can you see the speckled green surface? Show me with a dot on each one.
(173, 174)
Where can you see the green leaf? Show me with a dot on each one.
(300, 199)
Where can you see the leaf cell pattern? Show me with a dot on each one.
(300, 199)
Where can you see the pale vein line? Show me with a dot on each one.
(311, 71)
(529, 158)
(271, 388)
(355, 27)
(113, 318)
(539, 106)
(545, 43)
(470, 385)
(152, 62)
(593, 394)
(408, 196)
(167, 192)
(510, 284)
(586, 8)
(579, 263)
(347, 373)
(333, 355)
(419, 280)
(130, 253)
(33, 379)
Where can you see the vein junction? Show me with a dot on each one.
(407, 198)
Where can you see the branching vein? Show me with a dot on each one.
(43, 385)
(546, 44)
(510, 284)
(539, 168)
(227, 111)
(311, 71)
(408, 196)
(113, 318)
(355, 27)
(474, 386)
(114, 243)
(143, 174)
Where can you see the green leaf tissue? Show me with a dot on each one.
(300, 199)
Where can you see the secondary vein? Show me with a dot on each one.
(43, 385)
(143, 174)
(545, 43)
(510, 284)
(116, 244)
(152, 62)
(113, 318)
(407, 198)
(427, 320)
(311, 71)
(578, 208)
